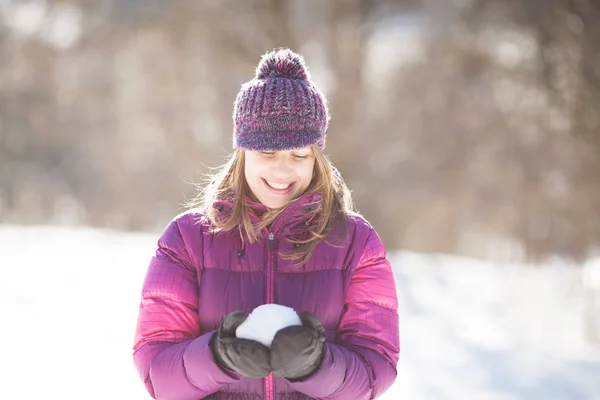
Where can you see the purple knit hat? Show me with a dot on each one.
(280, 109)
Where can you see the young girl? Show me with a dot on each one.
(273, 226)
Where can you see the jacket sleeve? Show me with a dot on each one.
(172, 358)
(361, 364)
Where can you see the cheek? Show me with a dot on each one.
(307, 174)
(250, 175)
(250, 171)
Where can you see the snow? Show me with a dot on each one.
(591, 273)
(264, 321)
(469, 329)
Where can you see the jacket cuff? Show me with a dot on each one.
(327, 378)
(201, 367)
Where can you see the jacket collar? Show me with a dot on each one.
(293, 220)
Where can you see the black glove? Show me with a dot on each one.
(246, 357)
(297, 351)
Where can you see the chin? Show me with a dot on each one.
(279, 203)
(275, 204)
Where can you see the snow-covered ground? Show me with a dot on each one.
(469, 329)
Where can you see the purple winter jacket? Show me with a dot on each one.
(198, 277)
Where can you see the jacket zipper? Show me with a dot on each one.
(270, 286)
(272, 253)
(270, 269)
(269, 390)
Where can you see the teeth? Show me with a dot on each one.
(279, 185)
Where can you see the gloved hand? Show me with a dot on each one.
(297, 351)
(246, 357)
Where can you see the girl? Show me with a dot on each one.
(273, 226)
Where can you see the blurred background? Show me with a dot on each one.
(475, 122)
(463, 127)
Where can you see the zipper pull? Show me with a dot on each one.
(271, 241)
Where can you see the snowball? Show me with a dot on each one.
(264, 321)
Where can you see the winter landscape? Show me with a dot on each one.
(469, 329)
(464, 127)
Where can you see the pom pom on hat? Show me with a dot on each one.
(281, 108)
(282, 63)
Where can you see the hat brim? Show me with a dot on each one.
(278, 141)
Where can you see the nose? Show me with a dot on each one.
(281, 167)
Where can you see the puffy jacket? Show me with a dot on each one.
(197, 277)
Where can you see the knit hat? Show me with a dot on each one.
(280, 109)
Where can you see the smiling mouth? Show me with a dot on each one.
(278, 186)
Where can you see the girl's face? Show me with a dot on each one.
(276, 177)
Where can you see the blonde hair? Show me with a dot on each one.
(229, 183)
